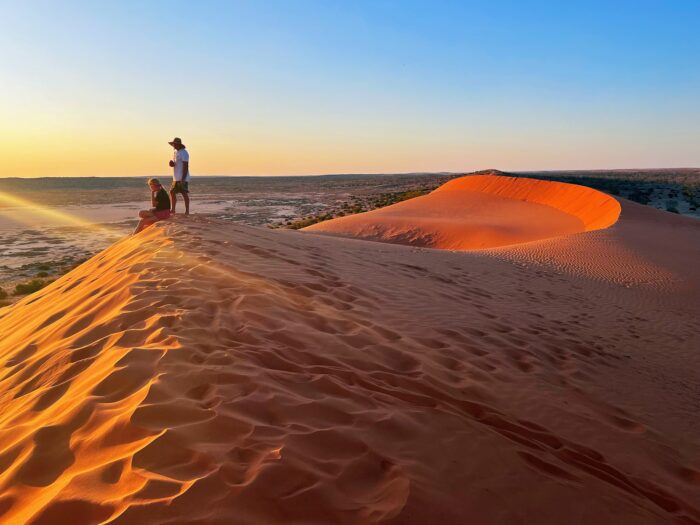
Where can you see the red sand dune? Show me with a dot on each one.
(482, 211)
(209, 373)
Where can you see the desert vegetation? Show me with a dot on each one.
(358, 204)
(30, 287)
(676, 191)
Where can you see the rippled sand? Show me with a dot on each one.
(205, 372)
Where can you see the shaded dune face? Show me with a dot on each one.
(477, 212)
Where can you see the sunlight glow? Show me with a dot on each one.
(303, 88)
(61, 218)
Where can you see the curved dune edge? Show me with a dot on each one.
(205, 372)
(482, 211)
(594, 208)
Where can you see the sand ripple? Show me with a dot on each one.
(205, 372)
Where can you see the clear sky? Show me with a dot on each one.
(307, 87)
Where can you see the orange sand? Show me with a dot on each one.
(209, 373)
(482, 211)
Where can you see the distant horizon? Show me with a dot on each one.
(351, 173)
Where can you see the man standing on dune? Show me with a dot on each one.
(181, 174)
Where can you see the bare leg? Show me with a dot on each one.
(173, 201)
(186, 197)
(147, 218)
(140, 226)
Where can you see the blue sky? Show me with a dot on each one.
(312, 87)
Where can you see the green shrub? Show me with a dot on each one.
(303, 223)
(30, 287)
(3, 294)
(42, 274)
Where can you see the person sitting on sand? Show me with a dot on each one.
(161, 206)
(181, 174)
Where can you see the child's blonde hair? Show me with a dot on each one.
(153, 181)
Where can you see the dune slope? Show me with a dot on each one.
(209, 373)
(482, 211)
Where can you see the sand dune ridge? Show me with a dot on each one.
(595, 209)
(482, 211)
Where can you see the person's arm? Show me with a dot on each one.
(153, 200)
(185, 170)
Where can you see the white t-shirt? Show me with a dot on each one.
(179, 158)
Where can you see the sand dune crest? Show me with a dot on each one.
(595, 209)
(482, 211)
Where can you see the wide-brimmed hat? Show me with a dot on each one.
(177, 141)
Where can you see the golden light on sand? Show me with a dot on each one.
(483, 211)
(199, 371)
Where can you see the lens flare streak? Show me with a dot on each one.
(26, 206)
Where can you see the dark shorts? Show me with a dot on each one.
(180, 187)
